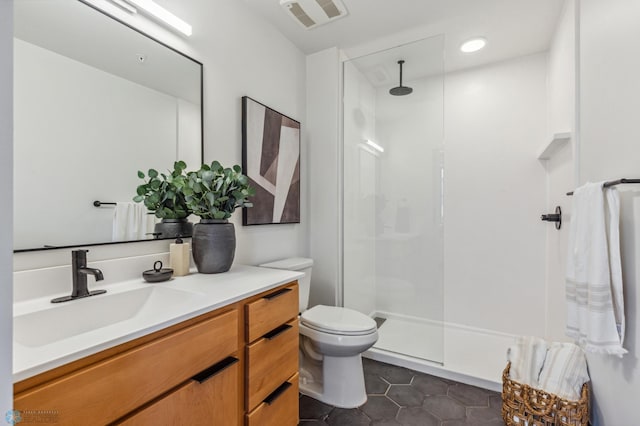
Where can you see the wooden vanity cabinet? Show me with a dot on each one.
(108, 387)
(272, 358)
(233, 366)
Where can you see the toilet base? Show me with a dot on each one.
(343, 383)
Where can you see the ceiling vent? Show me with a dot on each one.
(312, 13)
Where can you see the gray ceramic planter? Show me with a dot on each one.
(213, 245)
(173, 228)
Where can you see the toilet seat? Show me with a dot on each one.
(338, 320)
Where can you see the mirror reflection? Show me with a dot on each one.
(95, 101)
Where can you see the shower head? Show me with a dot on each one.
(400, 90)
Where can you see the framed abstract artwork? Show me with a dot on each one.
(271, 160)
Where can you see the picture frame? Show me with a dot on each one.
(271, 161)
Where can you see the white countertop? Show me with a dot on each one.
(207, 293)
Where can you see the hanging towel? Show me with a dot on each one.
(131, 222)
(595, 313)
(527, 358)
(564, 371)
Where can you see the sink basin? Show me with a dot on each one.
(76, 317)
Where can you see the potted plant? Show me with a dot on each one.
(163, 195)
(213, 193)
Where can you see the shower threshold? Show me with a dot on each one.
(414, 337)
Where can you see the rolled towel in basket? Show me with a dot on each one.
(564, 371)
(527, 358)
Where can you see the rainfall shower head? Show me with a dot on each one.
(400, 90)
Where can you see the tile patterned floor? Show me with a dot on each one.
(401, 397)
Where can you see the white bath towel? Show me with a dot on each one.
(564, 371)
(527, 358)
(131, 222)
(595, 313)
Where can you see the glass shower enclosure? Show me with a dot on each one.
(393, 171)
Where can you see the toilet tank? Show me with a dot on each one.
(300, 264)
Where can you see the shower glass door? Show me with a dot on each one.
(393, 195)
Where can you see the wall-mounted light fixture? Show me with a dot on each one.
(126, 6)
(158, 12)
(374, 145)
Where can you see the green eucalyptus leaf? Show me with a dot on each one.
(211, 198)
(208, 176)
(154, 198)
(153, 173)
(138, 198)
(140, 174)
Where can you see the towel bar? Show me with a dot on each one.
(102, 203)
(615, 182)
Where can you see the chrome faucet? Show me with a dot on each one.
(80, 271)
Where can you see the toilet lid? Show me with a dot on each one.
(337, 320)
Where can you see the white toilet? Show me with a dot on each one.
(331, 341)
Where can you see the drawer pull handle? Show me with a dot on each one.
(277, 331)
(205, 375)
(277, 293)
(276, 393)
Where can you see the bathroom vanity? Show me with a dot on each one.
(231, 362)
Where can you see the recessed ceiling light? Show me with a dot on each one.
(473, 45)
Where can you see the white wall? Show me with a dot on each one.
(242, 55)
(6, 208)
(495, 121)
(560, 167)
(323, 88)
(609, 149)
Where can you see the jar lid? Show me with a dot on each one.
(158, 273)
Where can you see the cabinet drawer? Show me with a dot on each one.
(271, 310)
(103, 392)
(270, 361)
(209, 400)
(278, 409)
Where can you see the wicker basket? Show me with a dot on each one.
(540, 408)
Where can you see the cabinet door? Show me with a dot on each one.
(210, 398)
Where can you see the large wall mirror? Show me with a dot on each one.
(95, 101)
